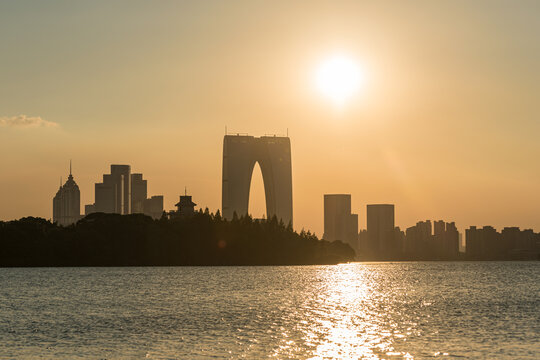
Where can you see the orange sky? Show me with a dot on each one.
(446, 126)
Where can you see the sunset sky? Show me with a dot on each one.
(445, 125)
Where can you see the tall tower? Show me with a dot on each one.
(139, 192)
(339, 222)
(113, 195)
(273, 153)
(67, 202)
(121, 177)
(380, 230)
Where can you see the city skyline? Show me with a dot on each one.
(443, 127)
(338, 204)
(251, 179)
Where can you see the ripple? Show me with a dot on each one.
(354, 311)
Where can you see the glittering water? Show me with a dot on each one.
(354, 311)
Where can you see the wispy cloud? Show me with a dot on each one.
(23, 121)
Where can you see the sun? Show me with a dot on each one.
(339, 78)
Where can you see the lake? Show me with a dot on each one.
(351, 311)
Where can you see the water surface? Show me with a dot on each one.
(359, 311)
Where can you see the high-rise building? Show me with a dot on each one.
(363, 245)
(113, 195)
(121, 175)
(339, 223)
(437, 246)
(273, 153)
(482, 243)
(419, 240)
(139, 193)
(124, 193)
(439, 227)
(105, 196)
(451, 241)
(510, 244)
(67, 202)
(382, 243)
(153, 207)
(424, 242)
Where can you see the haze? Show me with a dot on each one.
(446, 125)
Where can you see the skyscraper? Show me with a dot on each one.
(380, 227)
(121, 175)
(139, 193)
(339, 223)
(439, 227)
(105, 196)
(437, 246)
(113, 195)
(124, 193)
(482, 243)
(273, 153)
(451, 241)
(67, 202)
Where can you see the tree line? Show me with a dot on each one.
(137, 240)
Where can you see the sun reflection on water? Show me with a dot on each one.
(356, 311)
(348, 318)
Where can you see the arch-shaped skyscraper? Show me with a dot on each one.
(273, 153)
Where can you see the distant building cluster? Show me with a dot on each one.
(511, 243)
(427, 240)
(424, 242)
(120, 192)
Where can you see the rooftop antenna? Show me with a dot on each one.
(60, 181)
(69, 166)
(185, 190)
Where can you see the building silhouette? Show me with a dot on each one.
(67, 202)
(339, 222)
(121, 177)
(124, 193)
(424, 242)
(418, 240)
(113, 195)
(511, 243)
(184, 208)
(153, 206)
(105, 196)
(273, 153)
(381, 232)
(450, 242)
(139, 193)
(140, 203)
(516, 242)
(481, 242)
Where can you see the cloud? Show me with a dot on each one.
(23, 121)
